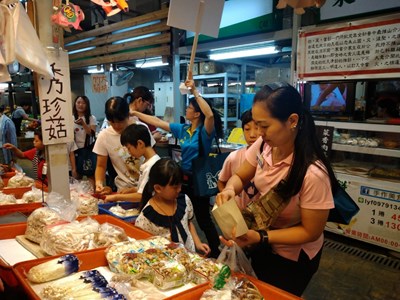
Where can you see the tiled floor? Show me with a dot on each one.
(354, 270)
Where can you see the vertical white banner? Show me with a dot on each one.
(55, 100)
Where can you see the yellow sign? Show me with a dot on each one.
(237, 136)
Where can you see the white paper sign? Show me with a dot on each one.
(183, 13)
(55, 101)
(228, 216)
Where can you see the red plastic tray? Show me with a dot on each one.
(267, 290)
(20, 191)
(10, 231)
(96, 258)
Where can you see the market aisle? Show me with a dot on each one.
(354, 270)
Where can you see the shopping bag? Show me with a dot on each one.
(345, 207)
(228, 216)
(85, 159)
(235, 258)
(205, 172)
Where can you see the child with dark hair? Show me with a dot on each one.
(36, 154)
(205, 125)
(108, 145)
(137, 140)
(235, 160)
(165, 211)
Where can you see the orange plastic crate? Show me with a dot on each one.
(268, 291)
(18, 192)
(89, 260)
(10, 231)
(25, 208)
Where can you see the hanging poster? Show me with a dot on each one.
(55, 100)
(353, 50)
(378, 221)
(99, 83)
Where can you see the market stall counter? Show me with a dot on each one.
(96, 261)
(15, 248)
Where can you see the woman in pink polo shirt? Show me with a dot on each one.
(286, 254)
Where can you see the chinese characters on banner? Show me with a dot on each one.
(55, 101)
(378, 221)
(99, 83)
(349, 51)
(325, 136)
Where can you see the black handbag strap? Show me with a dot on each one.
(201, 150)
(90, 138)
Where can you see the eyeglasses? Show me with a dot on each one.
(148, 103)
(190, 107)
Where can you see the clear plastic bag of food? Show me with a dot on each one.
(115, 253)
(87, 205)
(65, 238)
(245, 289)
(65, 207)
(38, 220)
(20, 180)
(134, 289)
(133, 264)
(169, 274)
(205, 270)
(109, 234)
(237, 288)
(236, 260)
(34, 195)
(7, 199)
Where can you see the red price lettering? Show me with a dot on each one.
(396, 217)
(393, 226)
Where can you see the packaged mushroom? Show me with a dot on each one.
(109, 234)
(35, 195)
(205, 270)
(169, 274)
(235, 289)
(65, 238)
(20, 180)
(38, 220)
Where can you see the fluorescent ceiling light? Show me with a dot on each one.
(80, 50)
(95, 70)
(150, 63)
(237, 53)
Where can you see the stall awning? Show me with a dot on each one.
(141, 37)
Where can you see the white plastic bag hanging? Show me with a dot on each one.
(28, 48)
(7, 38)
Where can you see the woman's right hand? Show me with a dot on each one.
(224, 196)
(80, 121)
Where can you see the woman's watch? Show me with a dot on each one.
(263, 237)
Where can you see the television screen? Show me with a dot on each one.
(331, 98)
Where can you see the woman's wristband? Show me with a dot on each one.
(263, 237)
